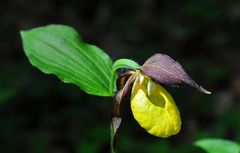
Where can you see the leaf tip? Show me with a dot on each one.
(22, 32)
(202, 90)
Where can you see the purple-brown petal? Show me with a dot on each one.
(166, 70)
(125, 90)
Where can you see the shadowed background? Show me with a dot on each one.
(40, 114)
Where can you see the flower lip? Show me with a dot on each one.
(154, 108)
(153, 96)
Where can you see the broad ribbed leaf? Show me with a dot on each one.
(58, 49)
(218, 146)
(165, 70)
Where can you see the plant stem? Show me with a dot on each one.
(111, 138)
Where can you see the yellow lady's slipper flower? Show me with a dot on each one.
(154, 108)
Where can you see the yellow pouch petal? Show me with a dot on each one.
(154, 108)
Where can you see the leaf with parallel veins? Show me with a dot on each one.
(59, 50)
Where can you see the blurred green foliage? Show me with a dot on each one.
(218, 146)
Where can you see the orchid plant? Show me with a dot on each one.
(59, 50)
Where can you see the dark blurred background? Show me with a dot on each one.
(40, 114)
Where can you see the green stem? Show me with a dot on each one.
(111, 138)
(121, 63)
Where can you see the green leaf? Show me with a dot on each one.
(59, 50)
(218, 146)
(125, 63)
(121, 63)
